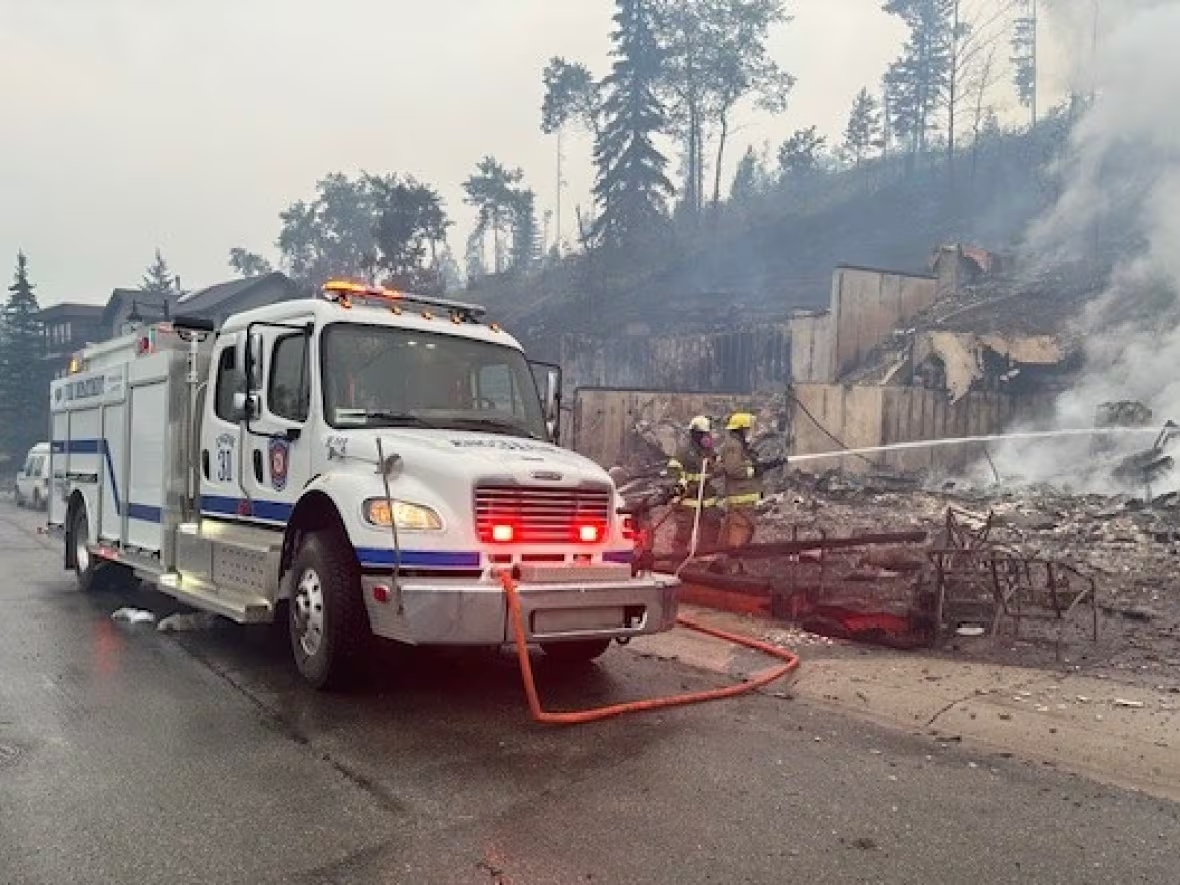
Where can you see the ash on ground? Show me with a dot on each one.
(1130, 547)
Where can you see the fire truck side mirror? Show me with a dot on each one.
(548, 378)
(254, 369)
(553, 403)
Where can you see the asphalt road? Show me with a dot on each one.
(130, 756)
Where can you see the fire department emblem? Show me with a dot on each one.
(279, 456)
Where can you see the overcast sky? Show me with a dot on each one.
(132, 124)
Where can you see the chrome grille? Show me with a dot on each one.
(541, 515)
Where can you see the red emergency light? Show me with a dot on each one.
(588, 534)
(503, 533)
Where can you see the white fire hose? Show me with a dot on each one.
(696, 519)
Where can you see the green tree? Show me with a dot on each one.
(1024, 56)
(714, 56)
(917, 80)
(24, 377)
(572, 95)
(631, 188)
(409, 226)
(159, 280)
(450, 271)
(473, 257)
(526, 234)
(743, 68)
(685, 76)
(745, 178)
(800, 154)
(492, 191)
(247, 263)
(331, 235)
(863, 132)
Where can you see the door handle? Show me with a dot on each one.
(258, 465)
(205, 462)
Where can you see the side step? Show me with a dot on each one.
(232, 572)
(203, 595)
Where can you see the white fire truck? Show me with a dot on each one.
(365, 463)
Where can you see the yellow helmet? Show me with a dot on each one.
(740, 421)
(700, 424)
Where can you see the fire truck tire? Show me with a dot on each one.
(578, 651)
(326, 614)
(85, 567)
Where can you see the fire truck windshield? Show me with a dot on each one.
(377, 376)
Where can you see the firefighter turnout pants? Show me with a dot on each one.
(708, 534)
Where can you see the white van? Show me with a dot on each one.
(32, 483)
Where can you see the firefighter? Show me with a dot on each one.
(743, 481)
(693, 465)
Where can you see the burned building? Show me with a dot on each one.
(897, 357)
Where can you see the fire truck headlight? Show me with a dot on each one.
(410, 517)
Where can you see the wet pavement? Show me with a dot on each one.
(131, 756)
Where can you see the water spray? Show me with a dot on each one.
(976, 440)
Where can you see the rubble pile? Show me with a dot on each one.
(1131, 549)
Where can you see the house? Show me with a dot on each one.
(216, 303)
(67, 328)
(129, 307)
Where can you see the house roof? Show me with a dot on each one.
(886, 271)
(209, 299)
(72, 310)
(149, 304)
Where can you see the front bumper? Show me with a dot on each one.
(446, 612)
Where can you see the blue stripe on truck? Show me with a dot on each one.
(90, 447)
(271, 511)
(145, 513)
(375, 557)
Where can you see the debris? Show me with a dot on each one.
(966, 630)
(187, 623)
(1123, 702)
(133, 616)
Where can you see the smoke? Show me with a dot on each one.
(1120, 185)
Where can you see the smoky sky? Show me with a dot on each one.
(136, 124)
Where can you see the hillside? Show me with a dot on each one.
(758, 260)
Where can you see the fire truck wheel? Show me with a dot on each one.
(578, 651)
(84, 564)
(326, 612)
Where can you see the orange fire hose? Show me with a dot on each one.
(790, 662)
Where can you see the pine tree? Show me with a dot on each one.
(631, 188)
(526, 235)
(159, 280)
(1024, 56)
(918, 80)
(864, 131)
(746, 178)
(24, 378)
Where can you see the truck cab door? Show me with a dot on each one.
(277, 449)
(221, 466)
